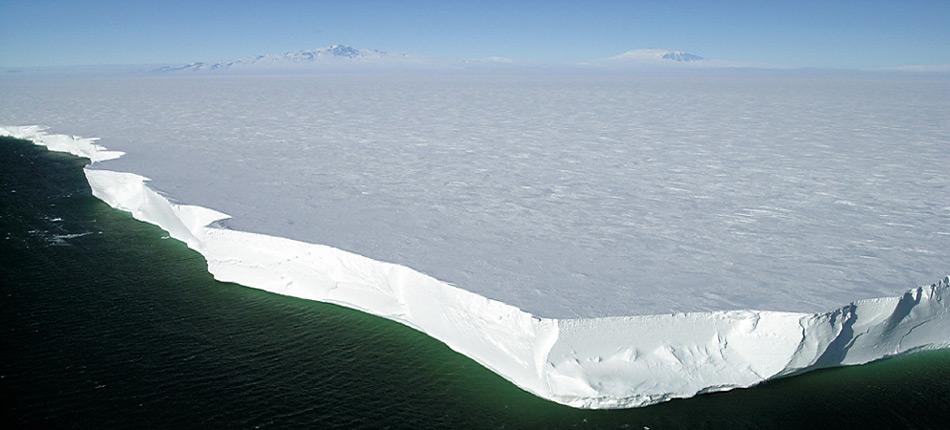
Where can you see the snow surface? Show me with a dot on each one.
(610, 362)
(563, 195)
(616, 239)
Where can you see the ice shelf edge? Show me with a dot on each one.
(593, 363)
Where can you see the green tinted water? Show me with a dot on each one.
(108, 324)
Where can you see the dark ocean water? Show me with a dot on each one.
(108, 324)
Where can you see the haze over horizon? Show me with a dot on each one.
(783, 34)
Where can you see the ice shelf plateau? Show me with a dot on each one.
(595, 363)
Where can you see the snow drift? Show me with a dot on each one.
(610, 362)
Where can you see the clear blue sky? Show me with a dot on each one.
(827, 33)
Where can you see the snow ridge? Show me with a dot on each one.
(595, 363)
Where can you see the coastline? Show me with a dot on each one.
(615, 362)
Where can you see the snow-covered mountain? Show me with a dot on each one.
(335, 54)
(657, 56)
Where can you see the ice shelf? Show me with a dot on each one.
(565, 195)
(606, 362)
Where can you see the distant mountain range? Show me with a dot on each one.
(339, 55)
(347, 56)
(657, 56)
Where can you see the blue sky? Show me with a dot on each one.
(841, 34)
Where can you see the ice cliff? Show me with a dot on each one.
(597, 363)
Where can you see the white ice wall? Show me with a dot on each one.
(612, 362)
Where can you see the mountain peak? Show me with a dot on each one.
(342, 51)
(683, 57)
(657, 56)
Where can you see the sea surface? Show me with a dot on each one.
(107, 323)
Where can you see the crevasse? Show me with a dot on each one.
(596, 363)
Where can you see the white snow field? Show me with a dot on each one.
(601, 240)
